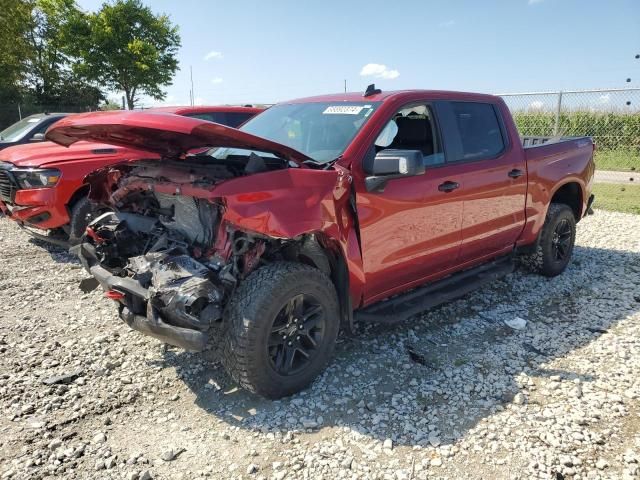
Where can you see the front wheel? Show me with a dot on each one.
(556, 243)
(281, 327)
(82, 213)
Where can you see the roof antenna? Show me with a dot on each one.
(371, 90)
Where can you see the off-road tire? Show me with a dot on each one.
(248, 321)
(542, 260)
(82, 212)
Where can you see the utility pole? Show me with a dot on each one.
(345, 85)
(193, 95)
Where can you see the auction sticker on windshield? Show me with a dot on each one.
(344, 109)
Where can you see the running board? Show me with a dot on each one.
(401, 307)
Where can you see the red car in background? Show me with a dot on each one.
(43, 185)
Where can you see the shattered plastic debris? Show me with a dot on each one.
(63, 379)
(516, 323)
(416, 356)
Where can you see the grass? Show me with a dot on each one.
(617, 160)
(616, 197)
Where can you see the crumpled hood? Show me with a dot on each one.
(35, 155)
(170, 136)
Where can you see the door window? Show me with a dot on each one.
(413, 128)
(473, 129)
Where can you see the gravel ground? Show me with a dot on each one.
(454, 394)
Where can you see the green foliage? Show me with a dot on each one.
(620, 198)
(125, 47)
(47, 66)
(617, 134)
(34, 68)
(15, 18)
(110, 105)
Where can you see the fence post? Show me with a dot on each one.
(19, 112)
(556, 127)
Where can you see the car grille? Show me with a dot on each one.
(8, 186)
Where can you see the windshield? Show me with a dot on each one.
(322, 131)
(16, 131)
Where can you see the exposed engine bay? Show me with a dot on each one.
(169, 259)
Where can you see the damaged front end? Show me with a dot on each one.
(162, 290)
(182, 234)
(167, 259)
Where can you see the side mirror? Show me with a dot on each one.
(37, 137)
(389, 164)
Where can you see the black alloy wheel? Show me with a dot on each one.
(297, 331)
(561, 240)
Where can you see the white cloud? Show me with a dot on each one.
(378, 70)
(533, 2)
(536, 105)
(217, 81)
(447, 24)
(213, 54)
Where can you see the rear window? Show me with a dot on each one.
(217, 117)
(479, 128)
(235, 119)
(230, 119)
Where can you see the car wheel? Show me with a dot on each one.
(281, 327)
(556, 243)
(82, 213)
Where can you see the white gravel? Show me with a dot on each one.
(82, 396)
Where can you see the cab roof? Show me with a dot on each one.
(392, 94)
(184, 110)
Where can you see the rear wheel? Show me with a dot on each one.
(557, 239)
(281, 326)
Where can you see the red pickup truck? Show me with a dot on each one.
(42, 184)
(318, 213)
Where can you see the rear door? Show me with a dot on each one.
(412, 229)
(494, 175)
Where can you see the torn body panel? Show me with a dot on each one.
(185, 235)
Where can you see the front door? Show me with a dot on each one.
(412, 229)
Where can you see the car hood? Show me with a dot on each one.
(42, 153)
(170, 136)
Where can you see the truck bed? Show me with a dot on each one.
(535, 141)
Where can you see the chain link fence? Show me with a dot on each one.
(611, 117)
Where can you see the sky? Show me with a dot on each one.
(253, 51)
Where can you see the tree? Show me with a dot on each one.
(14, 49)
(125, 47)
(47, 65)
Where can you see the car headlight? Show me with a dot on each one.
(36, 177)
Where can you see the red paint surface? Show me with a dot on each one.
(411, 232)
